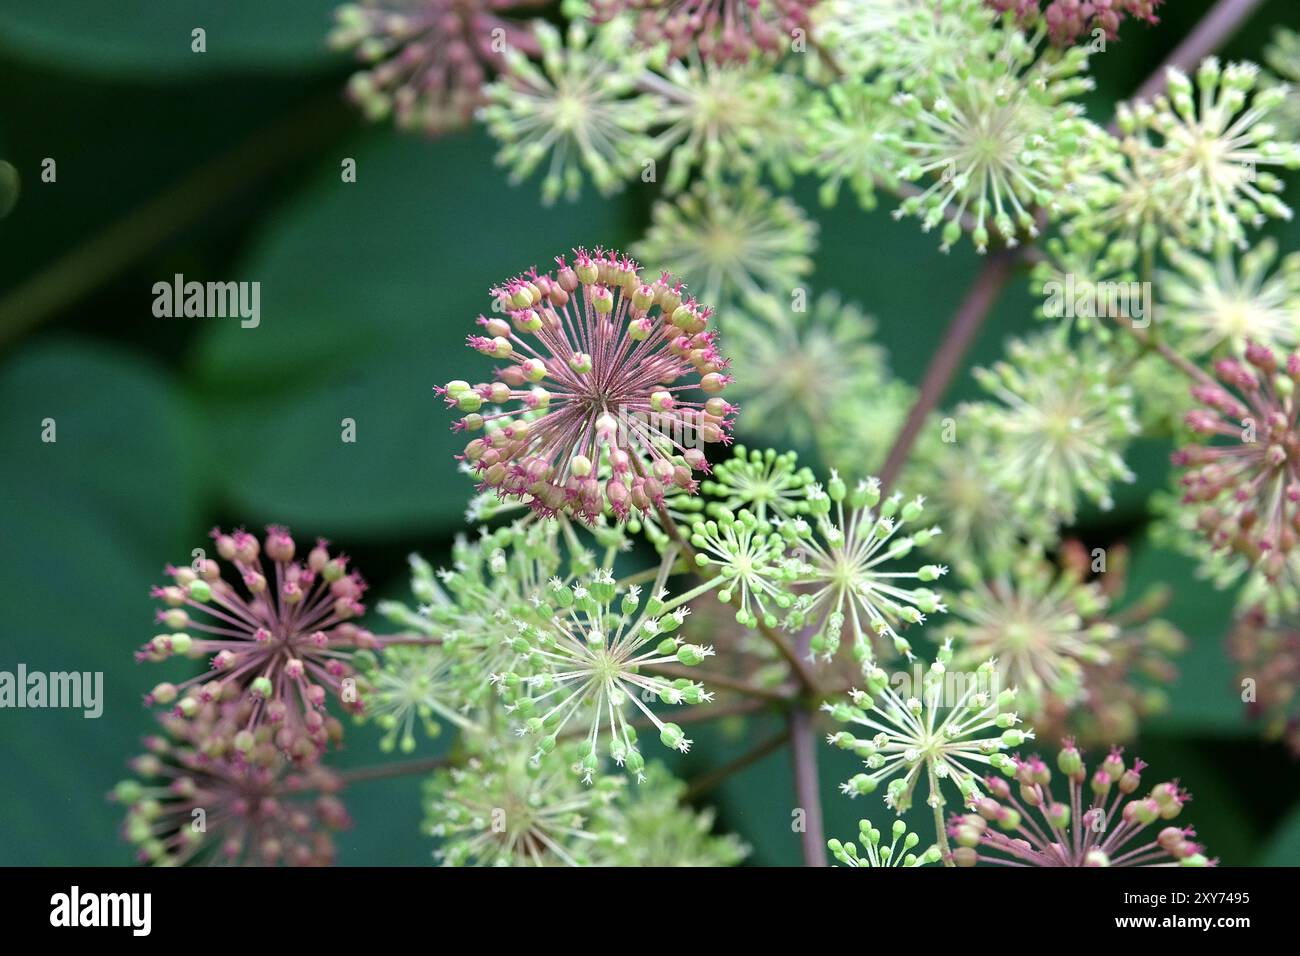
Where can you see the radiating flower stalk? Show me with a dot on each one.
(942, 730)
(1024, 824)
(1245, 489)
(426, 61)
(605, 370)
(283, 637)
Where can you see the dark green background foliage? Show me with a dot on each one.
(226, 166)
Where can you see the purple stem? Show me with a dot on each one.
(807, 792)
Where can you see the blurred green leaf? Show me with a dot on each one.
(368, 291)
(1282, 848)
(150, 39)
(89, 521)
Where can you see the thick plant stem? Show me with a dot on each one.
(807, 791)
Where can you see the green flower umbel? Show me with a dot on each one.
(997, 136)
(506, 808)
(875, 853)
(850, 549)
(1061, 422)
(588, 645)
(948, 729)
(580, 108)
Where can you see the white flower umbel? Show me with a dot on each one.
(958, 725)
(587, 645)
(846, 552)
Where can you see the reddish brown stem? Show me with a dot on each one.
(807, 790)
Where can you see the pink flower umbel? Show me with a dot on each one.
(427, 60)
(1068, 21)
(1268, 659)
(724, 31)
(280, 639)
(1023, 824)
(1246, 489)
(613, 385)
(200, 800)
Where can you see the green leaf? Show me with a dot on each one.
(148, 39)
(1283, 847)
(90, 519)
(368, 290)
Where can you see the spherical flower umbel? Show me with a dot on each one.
(506, 808)
(474, 608)
(1283, 58)
(1268, 664)
(659, 827)
(725, 31)
(853, 135)
(951, 724)
(747, 560)
(282, 637)
(732, 120)
(1215, 144)
(1246, 490)
(198, 798)
(1061, 425)
(739, 243)
(1069, 20)
(800, 365)
(982, 528)
(1021, 823)
(1131, 682)
(849, 551)
(760, 481)
(590, 644)
(604, 371)
(427, 60)
(1041, 626)
(998, 136)
(579, 106)
(412, 684)
(1223, 302)
(875, 853)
